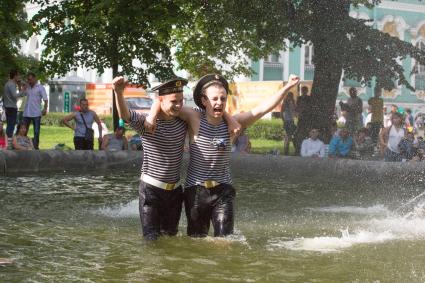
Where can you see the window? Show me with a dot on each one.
(420, 70)
(308, 55)
(274, 58)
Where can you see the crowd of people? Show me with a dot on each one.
(30, 109)
(26, 103)
(392, 136)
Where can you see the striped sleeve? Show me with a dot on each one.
(136, 122)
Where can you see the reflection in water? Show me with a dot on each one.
(86, 228)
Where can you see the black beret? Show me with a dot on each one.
(172, 86)
(205, 81)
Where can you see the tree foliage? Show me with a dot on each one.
(222, 35)
(13, 28)
(108, 34)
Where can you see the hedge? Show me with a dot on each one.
(262, 129)
(266, 129)
(55, 119)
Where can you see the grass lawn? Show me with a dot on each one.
(53, 135)
(264, 146)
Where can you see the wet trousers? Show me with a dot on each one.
(159, 210)
(214, 205)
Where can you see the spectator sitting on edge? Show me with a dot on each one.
(3, 137)
(363, 144)
(408, 148)
(242, 143)
(135, 142)
(313, 147)
(341, 145)
(21, 141)
(116, 141)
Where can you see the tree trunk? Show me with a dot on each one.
(324, 35)
(327, 76)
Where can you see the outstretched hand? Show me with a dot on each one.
(118, 84)
(293, 81)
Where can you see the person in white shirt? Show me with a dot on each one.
(36, 94)
(313, 147)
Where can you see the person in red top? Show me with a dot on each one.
(3, 137)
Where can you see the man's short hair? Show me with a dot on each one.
(13, 73)
(31, 74)
(304, 90)
(83, 99)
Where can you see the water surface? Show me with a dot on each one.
(288, 229)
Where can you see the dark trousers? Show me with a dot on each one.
(374, 131)
(36, 121)
(159, 210)
(214, 205)
(81, 143)
(11, 116)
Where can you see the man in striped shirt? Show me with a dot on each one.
(160, 192)
(209, 192)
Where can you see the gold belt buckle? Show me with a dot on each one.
(169, 187)
(210, 184)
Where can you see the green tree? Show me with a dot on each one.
(108, 34)
(13, 28)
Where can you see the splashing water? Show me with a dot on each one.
(392, 226)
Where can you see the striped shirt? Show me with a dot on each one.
(210, 154)
(162, 150)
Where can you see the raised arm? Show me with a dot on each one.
(248, 118)
(118, 85)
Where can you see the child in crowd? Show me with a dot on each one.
(3, 137)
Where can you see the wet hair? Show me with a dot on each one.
(13, 73)
(20, 125)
